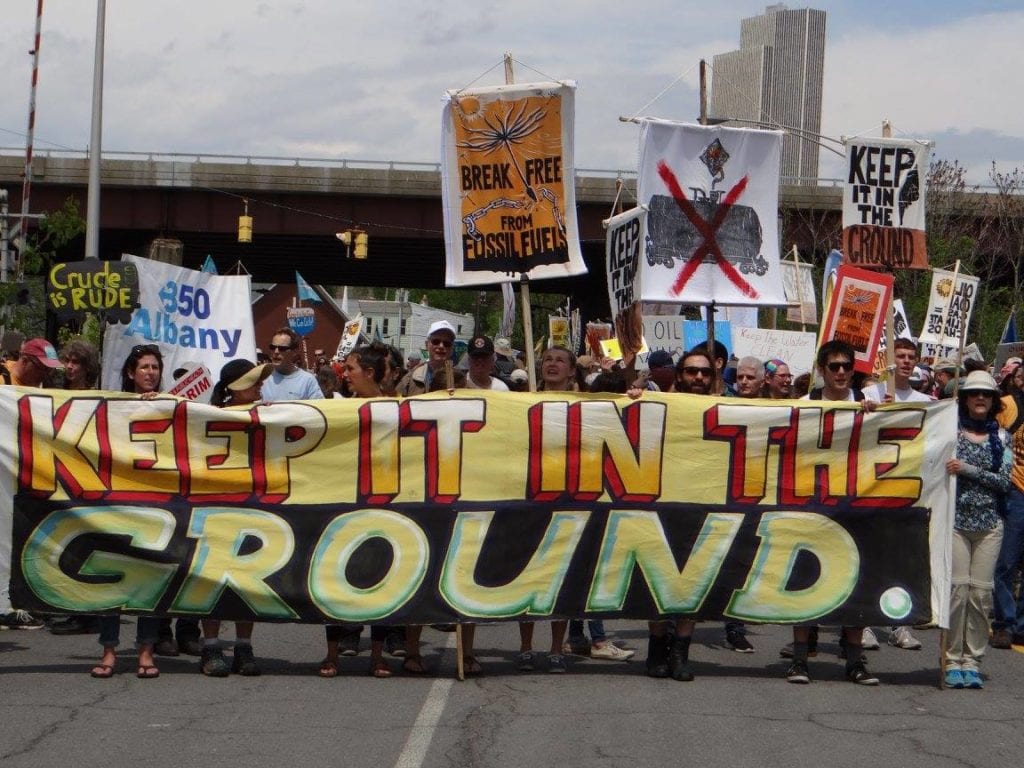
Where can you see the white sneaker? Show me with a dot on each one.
(611, 652)
(901, 637)
(868, 640)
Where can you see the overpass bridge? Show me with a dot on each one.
(298, 204)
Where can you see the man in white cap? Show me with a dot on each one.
(440, 340)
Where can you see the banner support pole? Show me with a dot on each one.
(460, 666)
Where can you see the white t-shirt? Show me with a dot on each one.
(908, 395)
(497, 385)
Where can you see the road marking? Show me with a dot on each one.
(416, 746)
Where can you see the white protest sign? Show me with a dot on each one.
(798, 282)
(665, 332)
(195, 383)
(193, 317)
(949, 308)
(623, 240)
(795, 348)
(350, 337)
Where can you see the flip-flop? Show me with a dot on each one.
(147, 672)
(102, 671)
(380, 669)
(328, 668)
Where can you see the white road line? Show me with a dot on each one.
(415, 750)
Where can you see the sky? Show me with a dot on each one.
(364, 80)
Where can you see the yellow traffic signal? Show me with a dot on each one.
(245, 224)
(357, 238)
(362, 239)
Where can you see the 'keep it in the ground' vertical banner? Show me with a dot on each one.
(508, 184)
(883, 204)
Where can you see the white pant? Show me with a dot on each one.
(974, 562)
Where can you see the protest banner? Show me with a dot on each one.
(795, 348)
(711, 195)
(109, 289)
(857, 311)
(798, 283)
(901, 330)
(1005, 351)
(623, 238)
(508, 184)
(558, 331)
(478, 506)
(194, 382)
(192, 317)
(696, 332)
(949, 307)
(350, 336)
(883, 203)
(665, 332)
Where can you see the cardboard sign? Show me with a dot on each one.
(798, 282)
(795, 348)
(949, 307)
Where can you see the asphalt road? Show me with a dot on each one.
(738, 712)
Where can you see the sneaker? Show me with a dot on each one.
(525, 661)
(349, 644)
(868, 640)
(797, 673)
(212, 662)
(19, 619)
(556, 664)
(901, 637)
(1001, 638)
(972, 679)
(954, 678)
(394, 645)
(739, 643)
(166, 646)
(859, 674)
(657, 656)
(243, 662)
(191, 646)
(611, 652)
(576, 649)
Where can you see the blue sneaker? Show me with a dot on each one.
(954, 678)
(972, 679)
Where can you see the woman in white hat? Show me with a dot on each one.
(982, 466)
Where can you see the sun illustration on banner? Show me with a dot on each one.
(858, 297)
(896, 603)
(944, 287)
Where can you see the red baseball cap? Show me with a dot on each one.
(43, 351)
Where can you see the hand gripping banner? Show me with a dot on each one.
(489, 506)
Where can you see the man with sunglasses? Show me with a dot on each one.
(288, 381)
(835, 364)
(440, 340)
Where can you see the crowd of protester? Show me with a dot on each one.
(988, 461)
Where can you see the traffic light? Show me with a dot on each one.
(362, 240)
(355, 237)
(245, 225)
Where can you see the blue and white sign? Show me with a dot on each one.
(302, 320)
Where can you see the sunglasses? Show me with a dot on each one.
(694, 370)
(145, 349)
(840, 365)
(439, 342)
(281, 347)
(978, 393)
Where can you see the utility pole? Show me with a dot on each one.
(6, 257)
(92, 221)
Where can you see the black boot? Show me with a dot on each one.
(657, 656)
(679, 660)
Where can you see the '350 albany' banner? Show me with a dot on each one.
(509, 184)
(478, 507)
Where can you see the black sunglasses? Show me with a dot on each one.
(280, 347)
(840, 365)
(440, 342)
(693, 370)
(145, 349)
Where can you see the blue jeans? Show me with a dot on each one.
(596, 627)
(146, 631)
(1009, 612)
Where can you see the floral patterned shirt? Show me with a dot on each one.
(979, 490)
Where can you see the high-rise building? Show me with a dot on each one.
(775, 79)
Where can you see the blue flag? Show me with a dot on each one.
(305, 290)
(208, 266)
(1010, 330)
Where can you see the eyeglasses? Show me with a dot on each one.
(280, 347)
(840, 365)
(439, 342)
(694, 370)
(783, 376)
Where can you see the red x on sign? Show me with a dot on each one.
(707, 230)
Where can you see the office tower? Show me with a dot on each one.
(775, 78)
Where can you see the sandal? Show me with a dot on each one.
(380, 668)
(413, 665)
(147, 672)
(328, 668)
(470, 666)
(102, 671)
